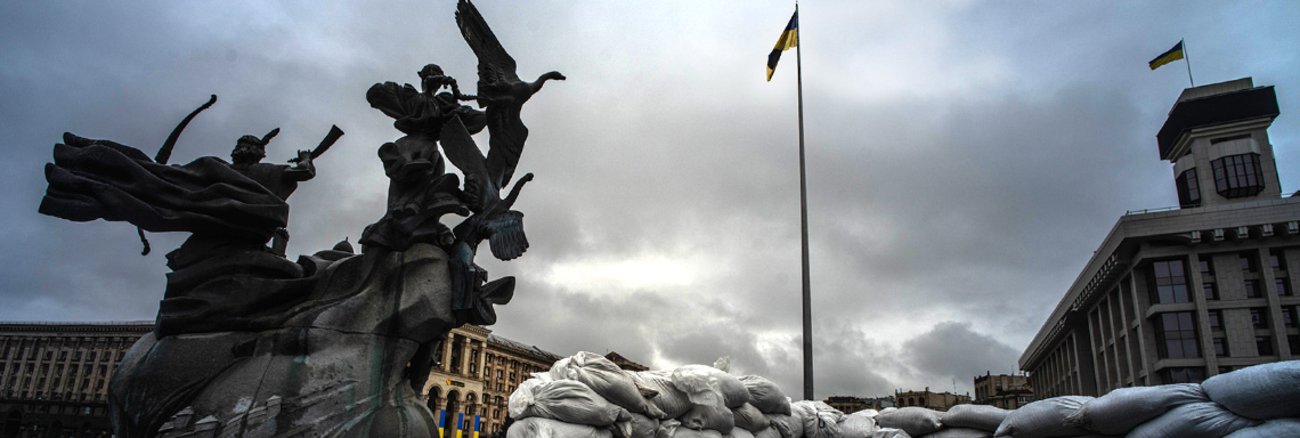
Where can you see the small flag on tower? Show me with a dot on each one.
(1172, 55)
(789, 38)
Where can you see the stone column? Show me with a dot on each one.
(446, 352)
(465, 349)
(482, 360)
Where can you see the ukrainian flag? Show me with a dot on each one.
(1172, 55)
(789, 38)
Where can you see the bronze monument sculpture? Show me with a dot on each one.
(333, 344)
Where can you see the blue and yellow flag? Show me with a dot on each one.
(1172, 55)
(789, 38)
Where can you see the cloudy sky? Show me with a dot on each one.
(964, 158)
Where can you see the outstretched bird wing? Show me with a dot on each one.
(494, 64)
(505, 233)
(500, 90)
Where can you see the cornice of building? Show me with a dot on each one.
(79, 327)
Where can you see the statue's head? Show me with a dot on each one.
(431, 77)
(249, 149)
(429, 71)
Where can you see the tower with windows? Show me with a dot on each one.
(1216, 137)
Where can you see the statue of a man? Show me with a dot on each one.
(280, 179)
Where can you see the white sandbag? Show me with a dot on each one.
(1262, 392)
(982, 417)
(749, 418)
(1043, 418)
(672, 401)
(1121, 410)
(770, 432)
(1193, 420)
(703, 384)
(1270, 429)
(644, 427)
(960, 432)
(765, 395)
(914, 420)
(890, 433)
(536, 427)
(740, 433)
(711, 417)
(564, 400)
(788, 426)
(674, 429)
(868, 412)
(857, 426)
(819, 419)
(888, 409)
(607, 379)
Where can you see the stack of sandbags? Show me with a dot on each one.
(860, 424)
(579, 409)
(1259, 401)
(819, 419)
(970, 421)
(1044, 418)
(767, 401)
(914, 420)
(590, 391)
(1121, 410)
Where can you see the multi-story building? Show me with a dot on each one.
(54, 376)
(847, 404)
(475, 375)
(850, 404)
(939, 401)
(1179, 295)
(1006, 391)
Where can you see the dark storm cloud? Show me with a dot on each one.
(964, 159)
(952, 350)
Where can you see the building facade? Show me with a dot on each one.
(474, 374)
(1006, 391)
(850, 404)
(54, 376)
(939, 401)
(1180, 295)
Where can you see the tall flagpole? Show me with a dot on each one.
(1187, 58)
(803, 222)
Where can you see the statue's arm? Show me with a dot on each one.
(303, 168)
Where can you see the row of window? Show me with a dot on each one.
(1176, 333)
(1235, 176)
(1169, 280)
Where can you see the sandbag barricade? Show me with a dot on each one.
(697, 401)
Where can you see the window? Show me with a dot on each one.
(1289, 319)
(1238, 175)
(1252, 289)
(1248, 262)
(1211, 292)
(1282, 286)
(1264, 345)
(1177, 336)
(1189, 190)
(1258, 318)
(1221, 347)
(1276, 260)
(1207, 267)
(1170, 282)
(1294, 342)
(1216, 319)
(1182, 375)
